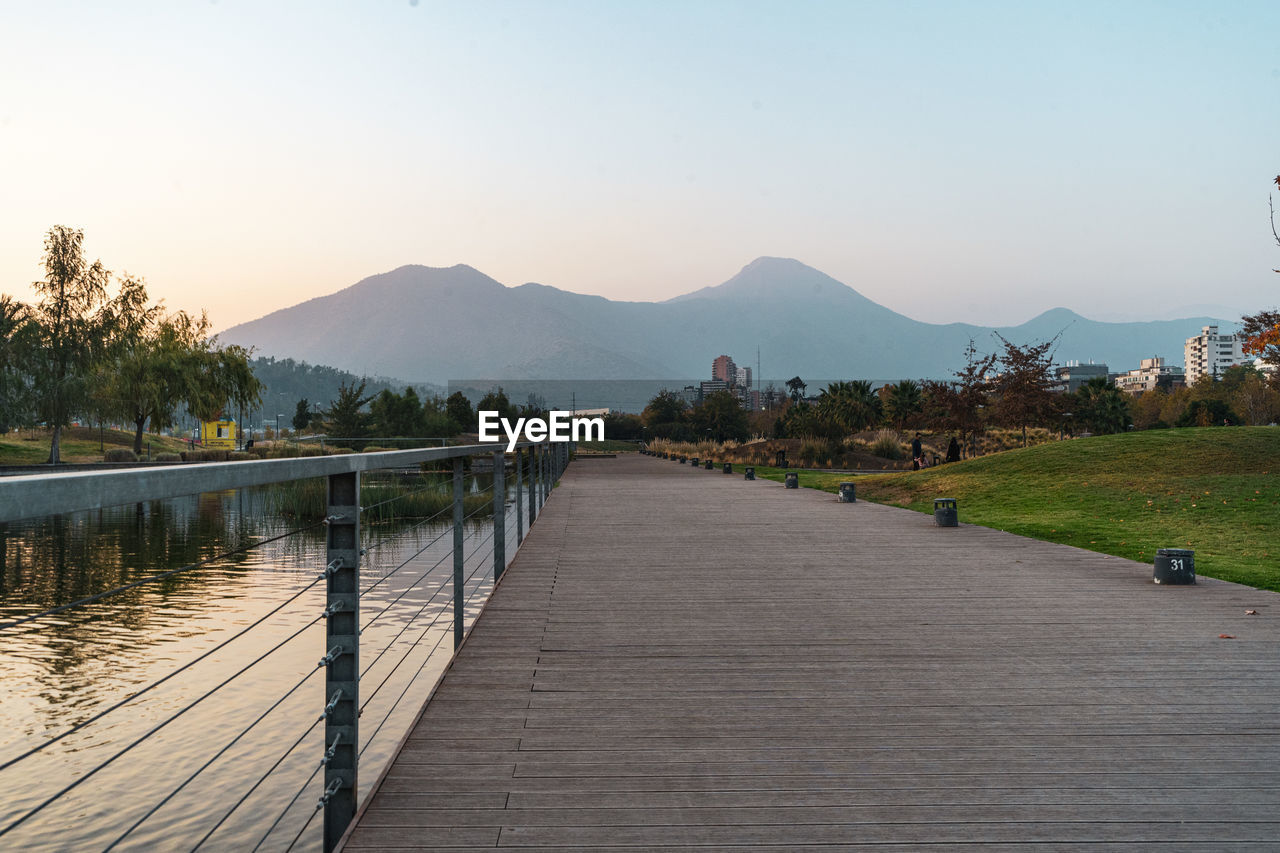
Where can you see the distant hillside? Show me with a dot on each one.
(288, 381)
(432, 325)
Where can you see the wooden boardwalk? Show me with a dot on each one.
(681, 659)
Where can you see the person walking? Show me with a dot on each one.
(916, 453)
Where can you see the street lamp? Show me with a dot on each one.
(279, 415)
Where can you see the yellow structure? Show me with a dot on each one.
(218, 435)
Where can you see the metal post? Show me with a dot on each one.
(533, 476)
(458, 603)
(519, 498)
(342, 655)
(499, 514)
(546, 474)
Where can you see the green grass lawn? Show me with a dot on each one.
(1214, 490)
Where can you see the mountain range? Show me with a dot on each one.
(427, 324)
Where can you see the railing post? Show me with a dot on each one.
(533, 484)
(546, 473)
(519, 497)
(458, 603)
(499, 514)
(342, 654)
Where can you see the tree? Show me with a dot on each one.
(496, 401)
(301, 415)
(849, 406)
(1255, 400)
(1204, 413)
(720, 417)
(346, 420)
(220, 376)
(1024, 385)
(151, 362)
(970, 392)
(1101, 407)
(902, 401)
(458, 408)
(666, 407)
(1261, 331)
(16, 349)
(1148, 408)
(398, 415)
(155, 362)
(795, 387)
(68, 327)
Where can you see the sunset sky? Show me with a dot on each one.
(951, 160)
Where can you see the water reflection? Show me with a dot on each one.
(62, 670)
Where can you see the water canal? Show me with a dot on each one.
(68, 669)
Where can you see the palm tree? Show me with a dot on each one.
(1102, 407)
(904, 400)
(851, 405)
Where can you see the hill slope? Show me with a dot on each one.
(1213, 490)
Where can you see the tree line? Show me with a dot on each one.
(79, 351)
(1015, 387)
(355, 414)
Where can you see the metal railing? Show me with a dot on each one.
(536, 468)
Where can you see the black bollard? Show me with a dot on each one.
(945, 513)
(709, 465)
(792, 480)
(1175, 566)
(848, 493)
(749, 473)
(728, 467)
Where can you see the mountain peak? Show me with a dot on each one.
(775, 278)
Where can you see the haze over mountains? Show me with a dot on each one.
(427, 324)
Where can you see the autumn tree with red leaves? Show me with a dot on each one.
(1261, 331)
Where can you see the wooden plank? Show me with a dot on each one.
(685, 660)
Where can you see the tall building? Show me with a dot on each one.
(742, 378)
(1209, 353)
(725, 370)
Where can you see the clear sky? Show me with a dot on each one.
(970, 161)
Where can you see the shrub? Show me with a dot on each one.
(167, 457)
(240, 456)
(887, 445)
(120, 454)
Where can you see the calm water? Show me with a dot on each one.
(63, 670)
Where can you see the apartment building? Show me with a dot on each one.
(1209, 353)
(1153, 373)
(1073, 374)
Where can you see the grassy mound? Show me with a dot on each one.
(1215, 490)
(79, 444)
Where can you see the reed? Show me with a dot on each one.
(380, 500)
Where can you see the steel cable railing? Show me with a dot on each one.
(287, 809)
(188, 665)
(479, 553)
(406, 562)
(245, 796)
(134, 743)
(421, 636)
(210, 762)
